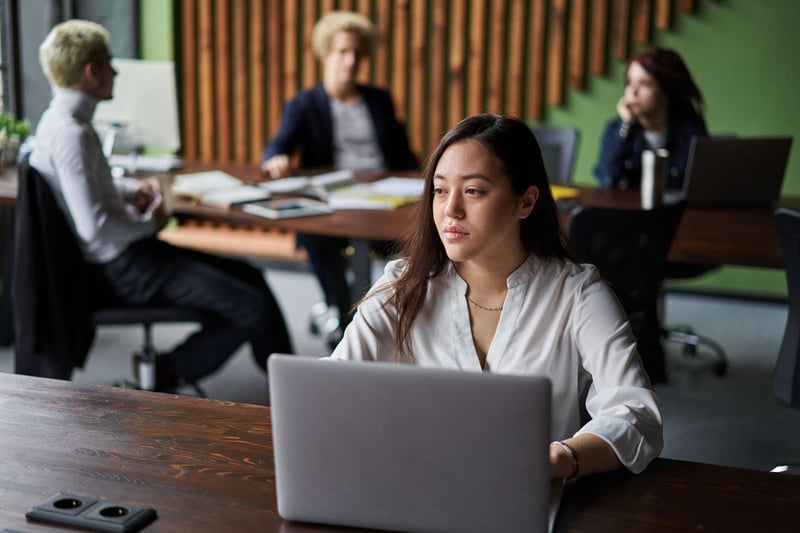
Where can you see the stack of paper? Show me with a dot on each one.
(317, 186)
(386, 193)
(287, 208)
(217, 188)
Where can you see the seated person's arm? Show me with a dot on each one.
(278, 166)
(276, 160)
(95, 213)
(614, 149)
(592, 455)
(624, 408)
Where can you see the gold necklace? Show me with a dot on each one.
(476, 304)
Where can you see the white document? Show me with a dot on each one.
(217, 188)
(198, 183)
(316, 185)
(387, 193)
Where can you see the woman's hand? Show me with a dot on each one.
(625, 112)
(277, 166)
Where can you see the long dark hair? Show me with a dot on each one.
(674, 78)
(515, 146)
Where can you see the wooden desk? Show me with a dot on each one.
(711, 236)
(206, 465)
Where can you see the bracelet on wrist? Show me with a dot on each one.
(624, 128)
(571, 453)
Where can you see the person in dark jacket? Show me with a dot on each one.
(662, 107)
(341, 124)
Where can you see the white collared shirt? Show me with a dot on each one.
(559, 320)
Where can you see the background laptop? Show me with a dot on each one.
(392, 446)
(735, 171)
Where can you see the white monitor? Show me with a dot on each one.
(144, 106)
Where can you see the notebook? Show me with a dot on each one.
(735, 171)
(391, 446)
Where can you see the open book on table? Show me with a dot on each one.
(317, 186)
(217, 188)
(287, 208)
(386, 193)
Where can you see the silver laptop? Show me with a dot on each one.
(390, 446)
(736, 171)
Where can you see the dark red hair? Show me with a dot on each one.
(674, 78)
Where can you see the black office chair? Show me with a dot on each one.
(786, 376)
(629, 247)
(559, 150)
(58, 300)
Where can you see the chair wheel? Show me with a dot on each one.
(719, 368)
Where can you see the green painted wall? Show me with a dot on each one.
(743, 54)
(156, 29)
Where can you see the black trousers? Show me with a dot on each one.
(236, 294)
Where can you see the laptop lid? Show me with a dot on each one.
(391, 446)
(736, 171)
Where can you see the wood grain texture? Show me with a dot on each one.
(515, 81)
(205, 80)
(457, 64)
(207, 466)
(620, 29)
(577, 44)
(642, 17)
(556, 52)
(222, 75)
(255, 104)
(599, 49)
(663, 16)
(188, 79)
(536, 59)
(477, 57)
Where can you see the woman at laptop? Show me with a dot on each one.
(661, 107)
(486, 286)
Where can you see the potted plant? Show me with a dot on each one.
(12, 134)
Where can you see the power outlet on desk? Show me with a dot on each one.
(90, 513)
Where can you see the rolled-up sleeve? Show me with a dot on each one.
(623, 406)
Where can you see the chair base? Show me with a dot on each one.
(792, 468)
(692, 343)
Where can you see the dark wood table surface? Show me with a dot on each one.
(713, 236)
(206, 465)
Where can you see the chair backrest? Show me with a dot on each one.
(52, 286)
(559, 150)
(629, 248)
(786, 376)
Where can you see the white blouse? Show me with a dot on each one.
(559, 320)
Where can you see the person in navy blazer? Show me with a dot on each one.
(307, 125)
(342, 124)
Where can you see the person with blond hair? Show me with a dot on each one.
(115, 222)
(339, 123)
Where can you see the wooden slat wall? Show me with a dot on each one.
(240, 60)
